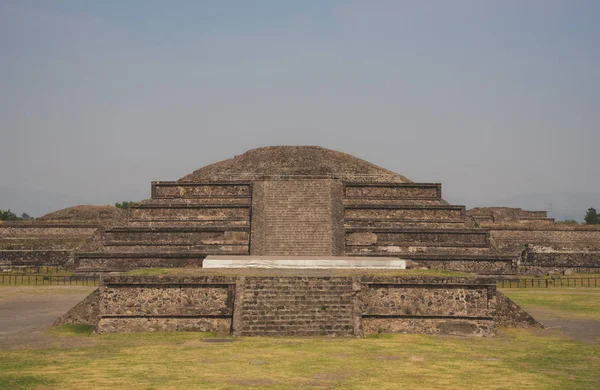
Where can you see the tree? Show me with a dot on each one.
(26, 217)
(568, 222)
(592, 217)
(124, 205)
(8, 216)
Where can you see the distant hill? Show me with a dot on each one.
(37, 203)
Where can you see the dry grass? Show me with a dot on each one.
(516, 359)
(581, 303)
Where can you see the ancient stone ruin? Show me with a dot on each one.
(291, 202)
(295, 201)
(303, 305)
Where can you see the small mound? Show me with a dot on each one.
(282, 161)
(507, 214)
(85, 213)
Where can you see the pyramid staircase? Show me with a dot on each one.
(183, 223)
(178, 227)
(412, 221)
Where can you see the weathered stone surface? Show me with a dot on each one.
(509, 214)
(200, 212)
(166, 300)
(299, 305)
(86, 312)
(291, 162)
(558, 237)
(41, 242)
(492, 266)
(420, 237)
(391, 191)
(546, 257)
(430, 300)
(511, 315)
(176, 236)
(153, 324)
(35, 257)
(296, 218)
(459, 327)
(199, 190)
(130, 261)
(387, 212)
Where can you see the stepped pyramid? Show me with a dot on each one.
(294, 201)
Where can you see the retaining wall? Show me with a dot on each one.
(299, 305)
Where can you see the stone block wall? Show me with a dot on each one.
(395, 212)
(35, 257)
(199, 213)
(537, 259)
(42, 243)
(374, 238)
(509, 214)
(428, 305)
(101, 263)
(420, 191)
(298, 306)
(171, 190)
(145, 304)
(577, 238)
(293, 218)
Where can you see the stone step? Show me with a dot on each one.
(280, 306)
(483, 264)
(204, 200)
(35, 257)
(44, 243)
(183, 236)
(390, 201)
(195, 212)
(396, 212)
(179, 223)
(393, 190)
(234, 249)
(376, 237)
(169, 189)
(97, 262)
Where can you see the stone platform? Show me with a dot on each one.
(303, 262)
(263, 302)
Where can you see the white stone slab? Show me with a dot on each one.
(303, 262)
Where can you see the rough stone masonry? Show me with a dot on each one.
(309, 305)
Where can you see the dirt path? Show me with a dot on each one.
(26, 312)
(578, 329)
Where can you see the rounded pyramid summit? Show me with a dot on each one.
(294, 161)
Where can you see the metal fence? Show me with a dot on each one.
(549, 283)
(25, 279)
(34, 269)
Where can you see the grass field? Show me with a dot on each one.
(562, 303)
(515, 359)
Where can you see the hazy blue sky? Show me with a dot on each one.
(495, 99)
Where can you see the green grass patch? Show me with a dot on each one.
(290, 272)
(563, 302)
(72, 330)
(24, 381)
(516, 359)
